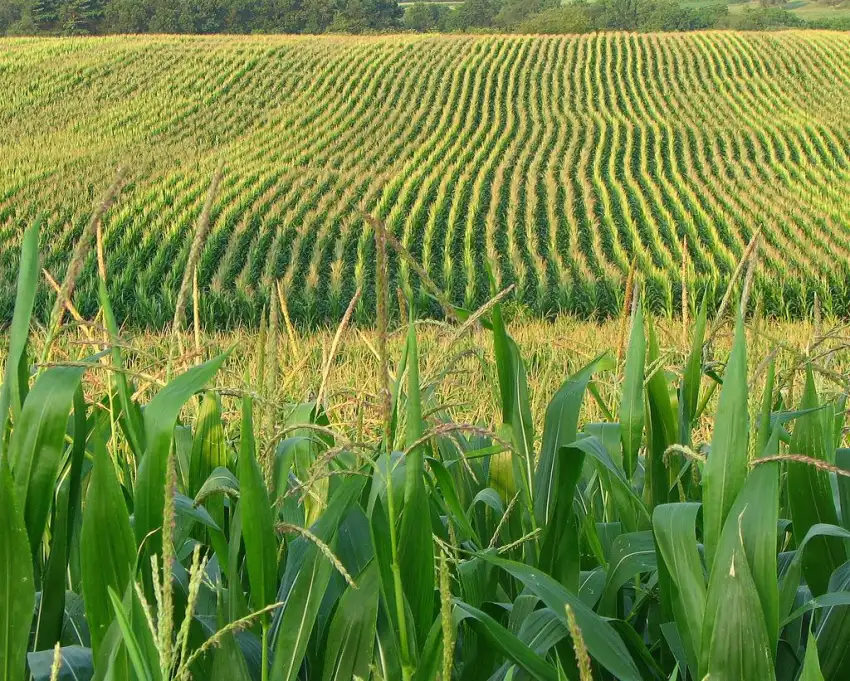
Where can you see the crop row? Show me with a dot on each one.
(553, 162)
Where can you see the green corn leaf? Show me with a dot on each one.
(662, 431)
(299, 614)
(17, 590)
(447, 492)
(757, 513)
(735, 643)
(559, 429)
(11, 391)
(132, 415)
(77, 664)
(160, 417)
(220, 481)
(209, 450)
(209, 453)
(257, 520)
(38, 443)
(108, 551)
(693, 371)
(726, 468)
(516, 410)
(603, 642)
(134, 649)
(833, 627)
(842, 460)
(632, 410)
(810, 495)
(675, 534)
(348, 651)
(416, 546)
(631, 554)
(811, 664)
(793, 574)
(506, 642)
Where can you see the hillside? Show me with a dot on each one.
(556, 160)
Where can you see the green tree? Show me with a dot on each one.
(80, 17)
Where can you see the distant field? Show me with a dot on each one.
(805, 9)
(555, 160)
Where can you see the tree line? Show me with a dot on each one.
(94, 17)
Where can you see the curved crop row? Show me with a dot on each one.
(551, 162)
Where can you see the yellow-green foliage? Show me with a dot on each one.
(554, 160)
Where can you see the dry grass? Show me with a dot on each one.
(458, 374)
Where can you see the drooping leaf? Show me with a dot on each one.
(160, 417)
(38, 442)
(77, 664)
(559, 430)
(631, 554)
(603, 642)
(507, 643)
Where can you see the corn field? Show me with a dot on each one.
(159, 533)
(554, 162)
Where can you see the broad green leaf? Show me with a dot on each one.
(793, 574)
(107, 546)
(209, 450)
(17, 590)
(810, 495)
(348, 649)
(160, 417)
(693, 370)
(631, 554)
(38, 443)
(446, 492)
(257, 520)
(842, 460)
(833, 627)
(11, 391)
(675, 533)
(507, 643)
(516, 410)
(299, 614)
(603, 643)
(559, 430)
(735, 643)
(416, 546)
(725, 470)
(77, 664)
(220, 481)
(632, 410)
(134, 650)
(757, 511)
(662, 427)
(811, 664)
